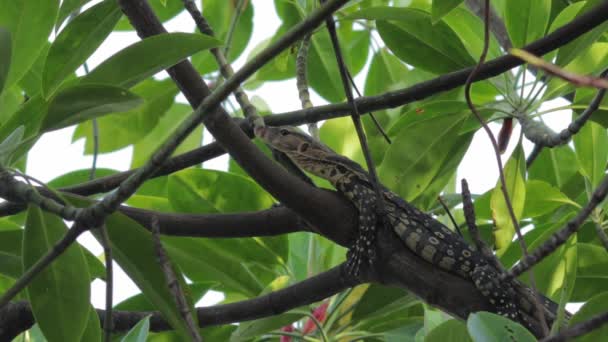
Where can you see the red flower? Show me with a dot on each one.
(287, 328)
(320, 313)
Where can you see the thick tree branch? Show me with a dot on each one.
(17, 317)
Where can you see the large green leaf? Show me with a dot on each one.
(514, 172)
(167, 124)
(410, 34)
(468, 27)
(556, 272)
(591, 145)
(554, 166)
(568, 52)
(147, 57)
(488, 327)
(58, 295)
(449, 331)
(595, 306)
(542, 198)
(411, 162)
(77, 41)
(83, 102)
(122, 129)
(526, 21)
(30, 23)
(592, 272)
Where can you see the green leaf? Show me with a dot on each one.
(514, 172)
(440, 8)
(595, 306)
(554, 166)
(590, 61)
(10, 144)
(449, 331)
(122, 129)
(219, 15)
(166, 126)
(468, 27)
(83, 102)
(526, 21)
(558, 270)
(591, 146)
(59, 295)
(410, 34)
(30, 23)
(222, 191)
(488, 327)
(5, 56)
(592, 272)
(411, 162)
(542, 198)
(147, 57)
(77, 41)
(568, 52)
(92, 332)
(139, 333)
(10, 253)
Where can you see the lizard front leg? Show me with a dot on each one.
(363, 249)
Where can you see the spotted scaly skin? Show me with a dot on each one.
(422, 234)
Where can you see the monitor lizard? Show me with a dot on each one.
(422, 234)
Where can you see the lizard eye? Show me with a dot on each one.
(284, 132)
(304, 147)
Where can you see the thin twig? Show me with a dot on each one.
(42, 263)
(447, 210)
(503, 182)
(579, 329)
(560, 237)
(173, 283)
(302, 81)
(107, 252)
(238, 10)
(356, 117)
(371, 115)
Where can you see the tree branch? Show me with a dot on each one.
(17, 317)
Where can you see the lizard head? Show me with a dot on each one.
(305, 151)
(293, 142)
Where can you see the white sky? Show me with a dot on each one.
(54, 154)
